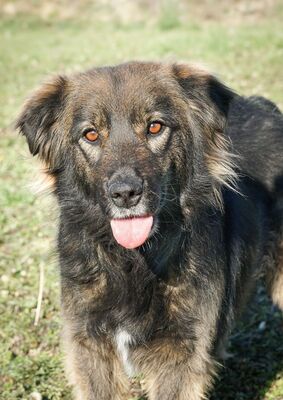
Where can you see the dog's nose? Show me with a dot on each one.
(127, 192)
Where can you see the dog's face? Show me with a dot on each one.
(131, 141)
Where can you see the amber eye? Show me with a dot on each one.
(155, 127)
(91, 135)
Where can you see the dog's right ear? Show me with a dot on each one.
(39, 120)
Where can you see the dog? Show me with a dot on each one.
(170, 190)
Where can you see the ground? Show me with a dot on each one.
(243, 44)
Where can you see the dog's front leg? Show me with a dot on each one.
(171, 373)
(94, 370)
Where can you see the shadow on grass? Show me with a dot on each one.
(257, 346)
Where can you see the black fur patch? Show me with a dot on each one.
(178, 294)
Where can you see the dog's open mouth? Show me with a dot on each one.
(132, 232)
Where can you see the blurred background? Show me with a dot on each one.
(241, 41)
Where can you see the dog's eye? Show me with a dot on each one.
(155, 127)
(91, 135)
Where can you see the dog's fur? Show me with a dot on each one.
(213, 179)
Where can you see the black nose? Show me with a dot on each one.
(126, 192)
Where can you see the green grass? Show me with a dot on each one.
(247, 56)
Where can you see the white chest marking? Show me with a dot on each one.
(123, 340)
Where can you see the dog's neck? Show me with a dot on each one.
(163, 252)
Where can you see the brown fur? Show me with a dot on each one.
(86, 359)
(176, 297)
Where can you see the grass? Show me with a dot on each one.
(247, 56)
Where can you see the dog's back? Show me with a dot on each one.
(255, 127)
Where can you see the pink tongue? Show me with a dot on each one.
(131, 232)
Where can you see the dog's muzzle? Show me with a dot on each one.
(125, 190)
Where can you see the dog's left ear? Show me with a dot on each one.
(208, 106)
(39, 121)
(199, 85)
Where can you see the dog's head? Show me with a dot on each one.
(132, 141)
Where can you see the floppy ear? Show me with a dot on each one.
(39, 120)
(208, 106)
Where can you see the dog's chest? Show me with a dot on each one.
(123, 340)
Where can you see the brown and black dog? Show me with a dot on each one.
(170, 188)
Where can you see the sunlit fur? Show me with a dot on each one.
(213, 181)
